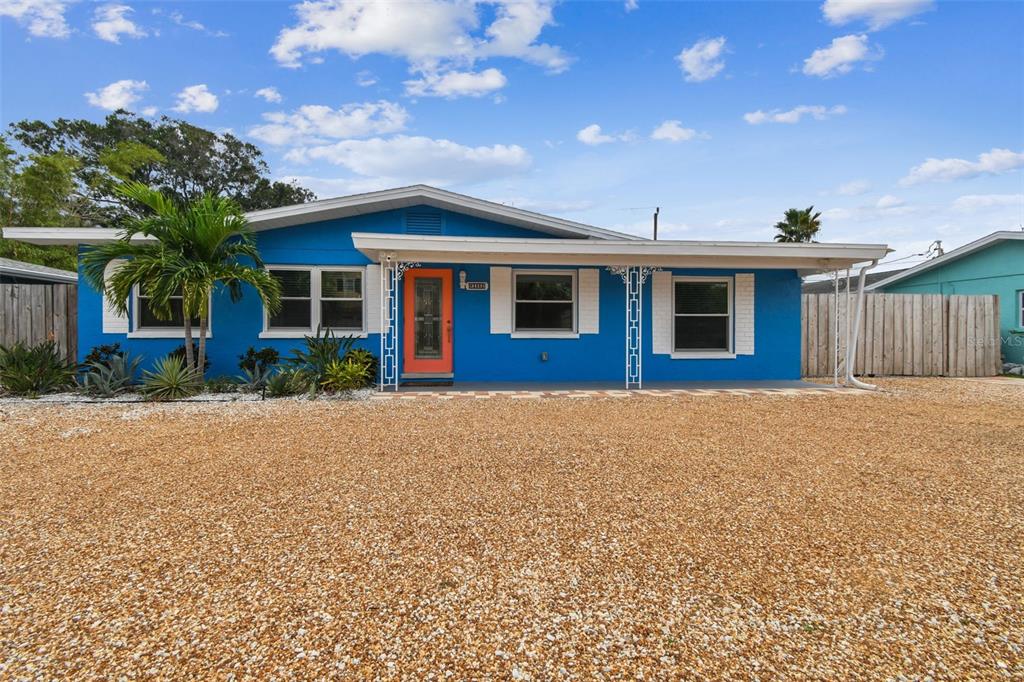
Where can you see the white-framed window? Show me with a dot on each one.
(317, 297)
(702, 315)
(145, 323)
(544, 302)
(1020, 308)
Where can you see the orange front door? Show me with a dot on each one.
(428, 321)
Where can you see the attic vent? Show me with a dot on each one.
(423, 222)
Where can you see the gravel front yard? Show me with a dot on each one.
(698, 536)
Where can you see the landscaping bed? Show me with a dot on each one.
(824, 536)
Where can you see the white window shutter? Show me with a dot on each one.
(113, 321)
(744, 313)
(371, 287)
(661, 312)
(501, 300)
(589, 293)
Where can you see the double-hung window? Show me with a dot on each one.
(702, 315)
(146, 321)
(315, 298)
(545, 302)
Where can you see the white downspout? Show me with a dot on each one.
(851, 346)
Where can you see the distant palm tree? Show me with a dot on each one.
(195, 247)
(799, 226)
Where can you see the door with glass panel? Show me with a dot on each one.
(428, 321)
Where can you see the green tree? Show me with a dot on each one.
(799, 225)
(192, 249)
(182, 161)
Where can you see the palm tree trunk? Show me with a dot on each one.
(201, 361)
(189, 358)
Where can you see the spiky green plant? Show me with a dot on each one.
(170, 379)
(34, 370)
(190, 249)
(345, 375)
(110, 378)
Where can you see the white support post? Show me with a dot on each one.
(391, 272)
(633, 278)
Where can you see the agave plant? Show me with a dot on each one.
(34, 370)
(170, 379)
(115, 375)
(253, 379)
(286, 382)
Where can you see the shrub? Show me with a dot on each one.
(320, 351)
(170, 380)
(262, 359)
(111, 377)
(286, 382)
(364, 357)
(345, 375)
(34, 370)
(103, 354)
(253, 380)
(221, 385)
(179, 353)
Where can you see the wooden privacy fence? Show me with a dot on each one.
(904, 334)
(32, 313)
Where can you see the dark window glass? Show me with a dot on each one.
(543, 287)
(294, 283)
(702, 333)
(544, 316)
(294, 313)
(701, 298)
(340, 314)
(341, 285)
(147, 318)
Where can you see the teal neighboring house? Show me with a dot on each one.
(993, 264)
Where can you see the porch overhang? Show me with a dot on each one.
(806, 258)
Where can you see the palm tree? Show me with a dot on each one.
(194, 248)
(799, 226)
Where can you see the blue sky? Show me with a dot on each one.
(901, 120)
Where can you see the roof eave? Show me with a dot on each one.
(953, 255)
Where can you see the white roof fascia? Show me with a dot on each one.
(702, 254)
(953, 255)
(402, 197)
(40, 272)
(67, 235)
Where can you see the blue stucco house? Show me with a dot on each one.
(444, 286)
(993, 264)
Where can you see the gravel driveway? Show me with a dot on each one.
(700, 536)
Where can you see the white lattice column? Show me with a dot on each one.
(391, 272)
(633, 278)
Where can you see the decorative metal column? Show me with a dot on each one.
(633, 277)
(391, 272)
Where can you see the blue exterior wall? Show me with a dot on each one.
(997, 269)
(479, 355)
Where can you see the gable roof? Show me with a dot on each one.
(827, 286)
(953, 255)
(415, 195)
(22, 270)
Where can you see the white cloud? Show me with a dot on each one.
(673, 131)
(365, 79)
(270, 94)
(876, 13)
(110, 22)
(180, 20)
(853, 188)
(404, 159)
(992, 162)
(840, 56)
(593, 136)
(118, 95)
(793, 115)
(431, 34)
(196, 98)
(456, 84)
(149, 111)
(631, 5)
(889, 201)
(43, 18)
(979, 202)
(317, 124)
(703, 60)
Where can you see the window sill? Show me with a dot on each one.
(303, 333)
(704, 355)
(164, 334)
(545, 335)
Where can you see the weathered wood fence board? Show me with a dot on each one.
(904, 334)
(32, 313)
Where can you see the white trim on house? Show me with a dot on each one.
(1020, 309)
(547, 333)
(730, 313)
(137, 332)
(68, 235)
(315, 300)
(953, 255)
(806, 258)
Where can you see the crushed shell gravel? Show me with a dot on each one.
(816, 536)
